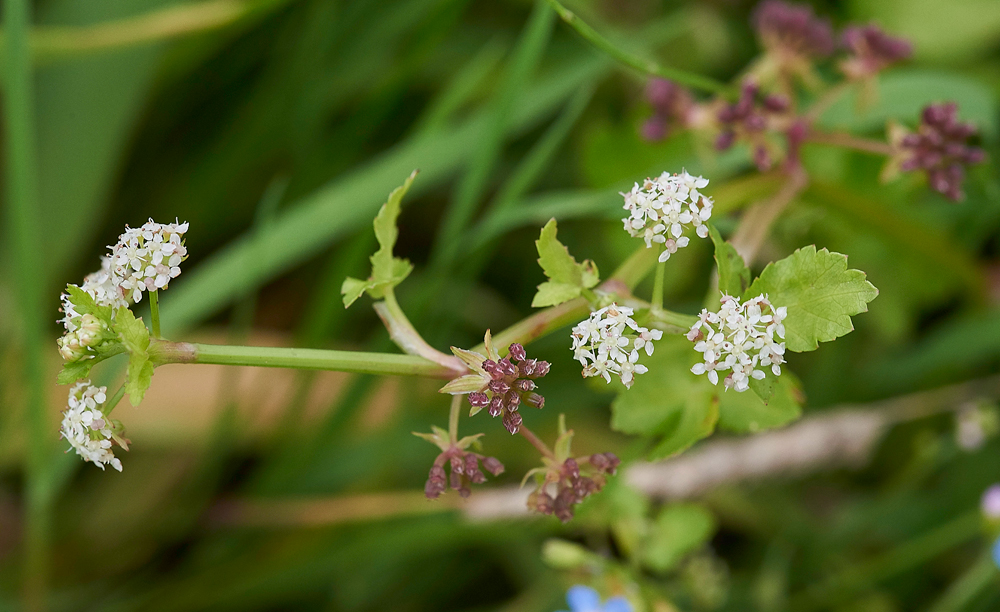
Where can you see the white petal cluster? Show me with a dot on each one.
(89, 432)
(146, 258)
(662, 208)
(740, 338)
(609, 343)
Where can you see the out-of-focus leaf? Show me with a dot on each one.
(820, 292)
(904, 93)
(678, 530)
(346, 202)
(668, 404)
(747, 413)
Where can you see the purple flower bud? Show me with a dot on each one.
(791, 29)
(527, 367)
(544, 503)
(660, 93)
(541, 369)
(493, 465)
(437, 473)
(571, 468)
(513, 401)
(499, 387)
(512, 421)
(489, 366)
(872, 50)
(535, 400)
(496, 406)
(516, 352)
(525, 385)
(761, 158)
(654, 129)
(599, 461)
(613, 462)
(457, 465)
(940, 148)
(725, 140)
(776, 103)
(479, 399)
(465, 491)
(456, 480)
(506, 367)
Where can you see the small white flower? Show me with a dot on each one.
(147, 258)
(739, 338)
(609, 341)
(662, 208)
(89, 432)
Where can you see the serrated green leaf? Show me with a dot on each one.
(668, 404)
(734, 276)
(84, 303)
(678, 530)
(387, 270)
(567, 278)
(747, 413)
(551, 293)
(135, 338)
(820, 292)
(72, 372)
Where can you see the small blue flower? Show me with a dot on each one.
(995, 550)
(585, 599)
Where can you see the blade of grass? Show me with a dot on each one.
(28, 259)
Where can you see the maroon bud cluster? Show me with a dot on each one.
(572, 483)
(513, 382)
(749, 118)
(464, 470)
(672, 105)
(939, 148)
(872, 50)
(793, 29)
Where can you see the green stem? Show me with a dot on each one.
(154, 313)
(164, 352)
(661, 268)
(646, 66)
(28, 259)
(408, 338)
(850, 141)
(111, 403)
(456, 409)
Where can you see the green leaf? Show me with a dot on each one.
(763, 388)
(678, 530)
(669, 404)
(73, 372)
(135, 338)
(387, 270)
(820, 292)
(567, 278)
(562, 447)
(84, 303)
(747, 413)
(734, 276)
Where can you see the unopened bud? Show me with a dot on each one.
(516, 352)
(535, 400)
(493, 465)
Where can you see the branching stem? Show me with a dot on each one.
(849, 141)
(536, 442)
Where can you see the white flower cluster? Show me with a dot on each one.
(89, 432)
(741, 338)
(101, 287)
(146, 258)
(660, 209)
(609, 343)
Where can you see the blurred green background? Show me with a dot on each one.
(277, 127)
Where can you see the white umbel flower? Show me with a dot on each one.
(740, 338)
(146, 258)
(101, 286)
(89, 432)
(609, 342)
(661, 209)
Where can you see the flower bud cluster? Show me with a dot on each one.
(793, 31)
(569, 483)
(146, 258)
(662, 208)
(85, 333)
(464, 470)
(609, 342)
(511, 382)
(88, 430)
(740, 338)
(672, 105)
(872, 51)
(749, 119)
(89, 333)
(940, 148)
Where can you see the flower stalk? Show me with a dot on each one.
(154, 314)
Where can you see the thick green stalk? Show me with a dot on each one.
(27, 258)
(456, 409)
(111, 403)
(646, 66)
(164, 352)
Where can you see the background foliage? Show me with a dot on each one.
(277, 127)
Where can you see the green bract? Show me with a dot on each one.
(387, 270)
(820, 292)
(135, 338)
(567, 279)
